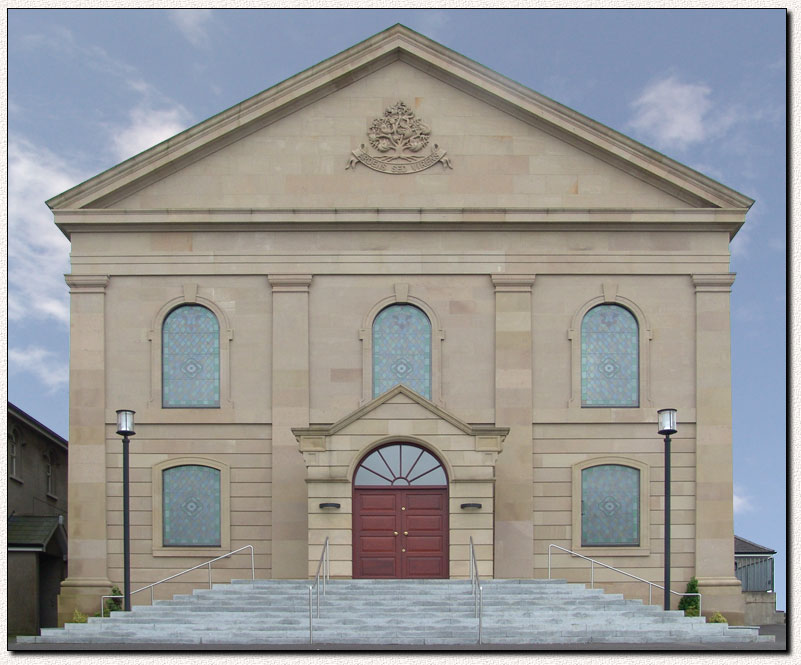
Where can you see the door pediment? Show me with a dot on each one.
(468, 451)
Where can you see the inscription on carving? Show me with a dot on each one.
(399, 135)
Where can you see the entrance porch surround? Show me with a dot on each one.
(468, 452)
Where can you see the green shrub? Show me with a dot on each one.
(112, 604)
(717, 617)
(690, 604)
(78, 617)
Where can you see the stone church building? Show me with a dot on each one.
(400, 301)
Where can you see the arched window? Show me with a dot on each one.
(190, 355)
(402, 350)
(400, 465)
(610, 506)
(609, 357)
(191, 509)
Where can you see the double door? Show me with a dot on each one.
(400, 533)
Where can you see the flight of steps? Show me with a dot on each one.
(397, 612)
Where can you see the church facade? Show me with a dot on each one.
(400, 302)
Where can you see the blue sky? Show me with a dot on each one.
(89, 88)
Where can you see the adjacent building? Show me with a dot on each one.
(400, 301)
(37, 512)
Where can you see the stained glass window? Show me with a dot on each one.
(610, 505)
(400, 465)
(609, 357)
(402, 350)
(191, 358)
(191, 506)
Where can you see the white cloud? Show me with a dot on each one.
(193, 24)
(674, 114)
(38, 253)
(432, 23)
(147, 126)
(46, 365)
(742, 502)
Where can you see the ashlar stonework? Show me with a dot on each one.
(271, 218)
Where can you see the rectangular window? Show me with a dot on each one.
(12, 457)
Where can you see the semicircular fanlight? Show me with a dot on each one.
(400, 465)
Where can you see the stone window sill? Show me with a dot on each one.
(205, 552)
(595, 552)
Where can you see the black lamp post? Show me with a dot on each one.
(125, 427)
(667, 426)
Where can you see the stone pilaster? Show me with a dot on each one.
(714, 547)
(86, 488)
(290, 408)
(514, 531)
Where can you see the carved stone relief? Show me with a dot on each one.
(399, 136)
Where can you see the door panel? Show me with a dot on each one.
(376, 548)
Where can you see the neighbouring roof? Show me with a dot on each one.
(35, 424)
(743, 546)
(30, 531)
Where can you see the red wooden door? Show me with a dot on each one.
(400, 533)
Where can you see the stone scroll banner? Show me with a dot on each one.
(394, 165)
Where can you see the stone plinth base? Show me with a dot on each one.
(724, 595)
(82, 594)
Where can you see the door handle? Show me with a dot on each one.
(396, 533)
(405, 533)
(403, 550)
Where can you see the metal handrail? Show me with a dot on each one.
(475, 587)
(188, 570)
(651, 585)
(324, 567)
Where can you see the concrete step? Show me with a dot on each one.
(394, 612)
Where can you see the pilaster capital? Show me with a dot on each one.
(720, 282)
(512, 283)
(290, 283)
(87, 283)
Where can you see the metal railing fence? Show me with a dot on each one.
(183, 572)
(593, 562)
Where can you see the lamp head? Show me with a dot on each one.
(667, 421)
(125, 422)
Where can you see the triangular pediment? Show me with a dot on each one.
(288, 148)
(414, 405)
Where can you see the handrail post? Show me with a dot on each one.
(480, 597)
(549, 561)
(311, 635)
(209, 574)
(592, 574)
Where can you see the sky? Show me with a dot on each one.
(90, 88)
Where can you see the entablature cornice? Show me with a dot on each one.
(426, 219)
